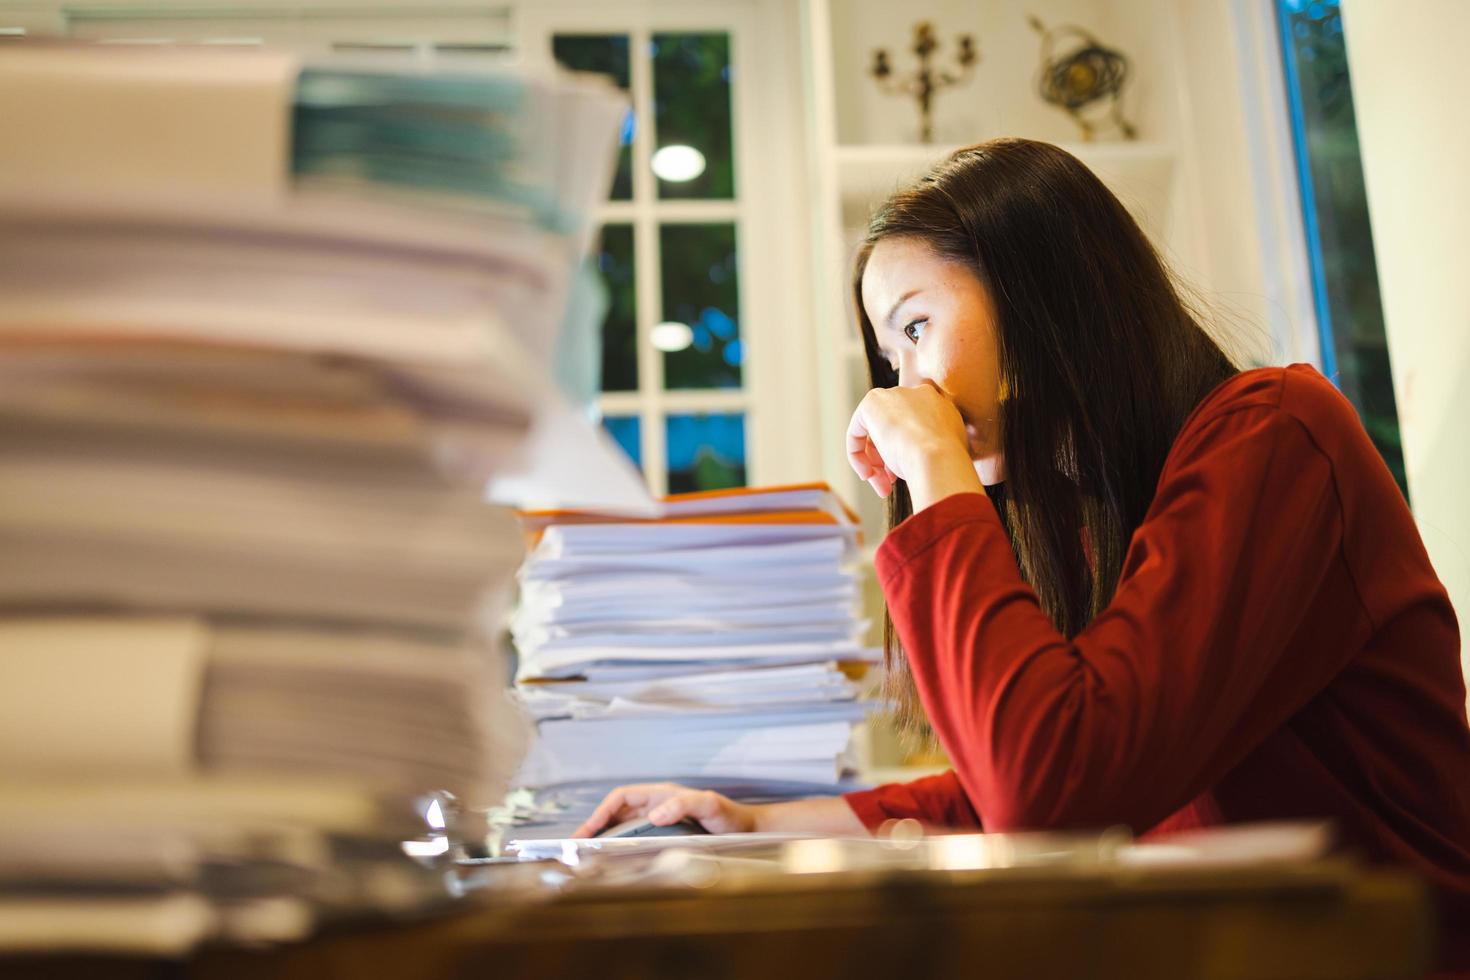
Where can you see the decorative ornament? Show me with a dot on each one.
(927, 80)
(1086, 74)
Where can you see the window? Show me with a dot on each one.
(1335, 218)
(674, 389)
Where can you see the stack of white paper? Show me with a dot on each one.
(431, 218)
(706, 645)
(251, 397)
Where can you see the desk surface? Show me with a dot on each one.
(1322, 920)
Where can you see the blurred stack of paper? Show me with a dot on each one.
(156, 865)
(94, 696)
(179, 474)
(513, 143)
(245, 434)
(230, 192)
(708, 644)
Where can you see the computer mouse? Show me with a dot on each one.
(640, 827)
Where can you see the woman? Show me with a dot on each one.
(1128, 582)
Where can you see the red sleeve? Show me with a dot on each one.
(1235, 565)
(936, 801)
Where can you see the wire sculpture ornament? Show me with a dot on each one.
(1086, 74)
(927, 81)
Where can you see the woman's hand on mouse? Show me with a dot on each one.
(666, 803)
(913, 434)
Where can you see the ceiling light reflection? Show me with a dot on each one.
(671, 337)
(678, 163)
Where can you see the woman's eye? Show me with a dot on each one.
(914, 329)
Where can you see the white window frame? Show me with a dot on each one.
(777, 393)
(1280, 229)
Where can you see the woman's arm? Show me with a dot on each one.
(666, 803)
(936, 801)
(822, 815)
(1183, 674)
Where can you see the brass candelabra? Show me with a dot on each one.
(928, 79)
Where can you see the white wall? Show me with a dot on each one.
(1249, 247)
(1407, 66)
(1000, 99)
(1201, 85)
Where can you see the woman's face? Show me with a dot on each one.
(935, 323)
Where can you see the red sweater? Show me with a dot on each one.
(1278, 647)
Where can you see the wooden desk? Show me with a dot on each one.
(1322, 921)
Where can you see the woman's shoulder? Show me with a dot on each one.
(1294, 395)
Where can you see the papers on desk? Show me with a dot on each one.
(806, 744)
(709, 644)
(788, 506)
(1227, 848)
(709, 583)
(688, 692)
(156, 865)
(258, 365)
(571, 850)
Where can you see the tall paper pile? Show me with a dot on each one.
(256, 370)
(705, 647)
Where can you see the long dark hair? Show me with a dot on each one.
(1100, 355)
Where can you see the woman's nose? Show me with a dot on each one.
(909, 375)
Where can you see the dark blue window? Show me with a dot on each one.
(1335, 216)
(626, 430)
(706, 452)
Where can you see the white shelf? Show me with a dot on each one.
(1140, 173)
(875, 171)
